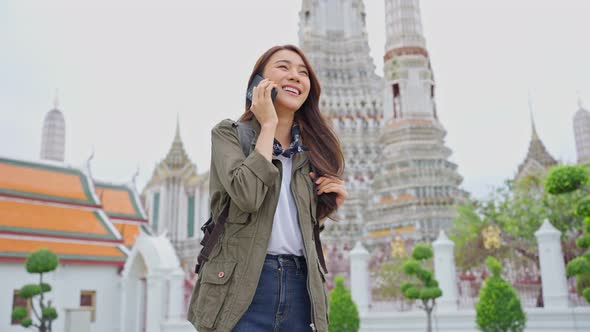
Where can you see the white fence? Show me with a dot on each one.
(560, 312)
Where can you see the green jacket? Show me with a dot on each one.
(227, 282)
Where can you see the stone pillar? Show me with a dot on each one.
(555, 294)
(155, 301)
(176, 295)
(123, 312)
(444, 272)
(359, 277)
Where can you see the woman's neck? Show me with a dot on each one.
(283, 131)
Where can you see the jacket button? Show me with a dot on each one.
(221, 274)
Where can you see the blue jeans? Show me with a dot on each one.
(281, 302)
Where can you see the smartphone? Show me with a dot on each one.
(255, 82)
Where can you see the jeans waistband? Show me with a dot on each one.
(298, 260)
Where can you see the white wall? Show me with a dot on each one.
(67, 282)
(538, 320)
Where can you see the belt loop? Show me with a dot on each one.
(297, 263)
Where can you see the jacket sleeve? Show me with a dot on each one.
(246, 180)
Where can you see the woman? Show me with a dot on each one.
(265, 272)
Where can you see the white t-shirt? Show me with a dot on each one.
(285, 238)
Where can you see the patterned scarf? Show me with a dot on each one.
(296, 146)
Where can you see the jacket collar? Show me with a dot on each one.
(299, 159)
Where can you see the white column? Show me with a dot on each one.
(444, 272)
(155, 301)
(123, 289)
(359, 277)
(552, 266)
(176, 295)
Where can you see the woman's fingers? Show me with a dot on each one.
(260, 91)
(324, 179)
(329, 187)
(268, 91)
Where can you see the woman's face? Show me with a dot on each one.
(287, 70)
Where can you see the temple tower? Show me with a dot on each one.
(53, 139)
(333, 35)
(416, 188)
(582, 133)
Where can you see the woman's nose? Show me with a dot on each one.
(294, 76)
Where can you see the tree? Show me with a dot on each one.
(344, 316)
(568, 179)
(426, 289)
(517, 209)
(40, 261)
(499, 308)
(389, 277)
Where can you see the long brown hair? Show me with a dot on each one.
(324, 153)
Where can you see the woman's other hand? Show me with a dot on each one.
(262, 105)
(330, 184)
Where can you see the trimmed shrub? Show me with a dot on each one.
(499, 308)
(344, 316)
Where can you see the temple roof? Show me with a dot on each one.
(44, 181)
(537, 154)
(50, 205)
(177, 157)
(15, 248)
(38, 218)
(176, 164)
(119, 201)
(122, 205)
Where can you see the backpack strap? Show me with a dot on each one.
(211, 233)
(245, 135)
(212, 229)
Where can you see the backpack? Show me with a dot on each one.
(212, 230)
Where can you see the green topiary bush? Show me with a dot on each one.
(344, 316)
(426, 289)
(499, 308)
(39, 262)
(563, 179)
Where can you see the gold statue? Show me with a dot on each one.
(398, 248)
(491, 237)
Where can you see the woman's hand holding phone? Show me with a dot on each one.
(262, 104)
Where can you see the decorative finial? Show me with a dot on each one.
(56, 99)
(88, 162)
(177, 135)
(135, 177)
(580, 104)
(534, 133)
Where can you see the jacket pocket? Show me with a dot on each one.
(214, 287)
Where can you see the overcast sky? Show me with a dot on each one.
(126, 69)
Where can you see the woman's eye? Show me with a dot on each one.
(285, 67)
(304, 73)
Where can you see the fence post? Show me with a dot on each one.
(554, 282)
(359, 277)
(445, 272)
(176, 295)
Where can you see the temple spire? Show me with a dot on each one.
(538, 159)
(56, 99)
(177, 134)
(410, 88)
(177, 157)
(580, 103)
(403, 25)
(534, 129)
